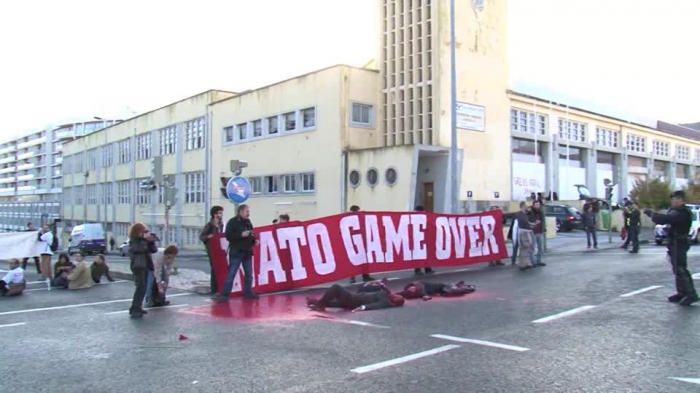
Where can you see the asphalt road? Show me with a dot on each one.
(588, 322)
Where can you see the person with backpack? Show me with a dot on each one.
(45, 248)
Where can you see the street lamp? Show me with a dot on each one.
(454, 191)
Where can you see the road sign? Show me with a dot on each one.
(238, 189)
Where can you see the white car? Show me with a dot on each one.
(693, 235)
(124, 249)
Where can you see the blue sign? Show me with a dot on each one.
(238, 189)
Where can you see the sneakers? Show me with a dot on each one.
(499, 263)
(429, 270)
(688, 300)
(252, 296)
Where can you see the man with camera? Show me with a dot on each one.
(241, 240)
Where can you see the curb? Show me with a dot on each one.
(197, 289)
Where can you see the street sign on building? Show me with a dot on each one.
(238, 189)
(471, 117)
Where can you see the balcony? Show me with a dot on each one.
(26, 155)
(33, 142)
(22, 167)
(64, 134)
(8, 149)
(8, 169)
(8, 159)
(6, 180)
(5, 191)
(25, 177)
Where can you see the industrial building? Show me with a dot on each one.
(378, 137)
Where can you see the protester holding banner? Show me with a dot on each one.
(45, 239)
(213, 227)
(526, 239)
(419, 271)
(365, 277)
(241, 241)
(30, 228)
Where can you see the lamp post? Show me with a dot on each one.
(454, 189)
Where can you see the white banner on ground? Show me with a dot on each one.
(18, 245)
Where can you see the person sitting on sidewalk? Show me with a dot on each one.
(100, 268)
(79, 277)
(425, 290)
(162, 265)
(61, 270)
(13, 283)
(339, 297)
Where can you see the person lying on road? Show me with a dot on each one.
(338, 297)
(424, 290)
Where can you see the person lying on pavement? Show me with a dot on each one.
(339, 297)
(425, 290)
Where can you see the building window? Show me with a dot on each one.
(78, 197)
(228, 134)
(372, 177)
(528, 122)
(572, 131)
(308, 117)
(143, 196)
(107, 155)
(273, 125)
(194, 134)
(697, 156)
(607, 138)
(290, 121)
(168, 140)
(107, 194)
(682, 152)
(143, 146)
(121, 230)
(78, 158)
(362, 115)
(256, 186)
(660, 148)
(636, 143)
(191, 236)
(242, 130)
(91, 159)
(194, 187)
(91, 195)
(355, 178)
(123, 192)
(289, 183)
(68, 197)
(257, 129)
(390, 176)
(308, 182)
(124, 151)
(270, 184)
(67, 167)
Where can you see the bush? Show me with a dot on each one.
(692, 192)
(652, 193)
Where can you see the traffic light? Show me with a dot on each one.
(157, 169)
(224, 183)
(169, 196)
(237, 166)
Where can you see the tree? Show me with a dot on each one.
(692, 192)
(653, 193)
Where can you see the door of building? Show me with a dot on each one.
(428, 196)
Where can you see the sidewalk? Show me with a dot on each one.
(572, 243)
(190, 280)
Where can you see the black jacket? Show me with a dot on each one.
(635, 218)
(140, 254)
(237, 244)
(680, 219)
(371, 301)
(210, 229)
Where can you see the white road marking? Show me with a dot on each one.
(13, 324)
(637, 292)
(102, 283)
(689, 380)
(350, 322)
(62, 289)
(78, 305)
(480, 342)
(393, 362)
(696, 276)
(148, 309)
(563, 314)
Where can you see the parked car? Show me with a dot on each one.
(124, 249)
(87, 239)
(693, 235)
(567, 217)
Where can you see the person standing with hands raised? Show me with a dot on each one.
(241, 241)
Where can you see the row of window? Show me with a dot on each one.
(536, 124)
(195, 191)
(301, 120)
(372, 177)
(288, 183)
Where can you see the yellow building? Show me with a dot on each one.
(341, 136)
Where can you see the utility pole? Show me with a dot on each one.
(454, 189)
(167, 185)
(609, 185)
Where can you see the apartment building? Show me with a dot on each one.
(30, 174)
(102, 171)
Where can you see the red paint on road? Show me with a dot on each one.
(290, 307)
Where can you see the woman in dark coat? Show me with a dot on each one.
(142, 244)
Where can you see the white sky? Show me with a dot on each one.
(71, 60)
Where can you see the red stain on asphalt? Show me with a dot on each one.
(283, 307)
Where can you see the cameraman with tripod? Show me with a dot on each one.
(241, 240)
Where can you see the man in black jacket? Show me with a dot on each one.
(241, 240)
(339, 297)
(635, 217)
(213, 227)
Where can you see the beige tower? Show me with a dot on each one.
(415, 81)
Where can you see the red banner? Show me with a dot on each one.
(301, 254)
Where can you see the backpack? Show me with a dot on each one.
(54, 242)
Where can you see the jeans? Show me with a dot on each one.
(633, 237)
(213, 284)
(592, 233)
(526, 244)
(537, 254)
(140, 277)
(234, 263)
(678, 251)
(150, 278)
(61, 282)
